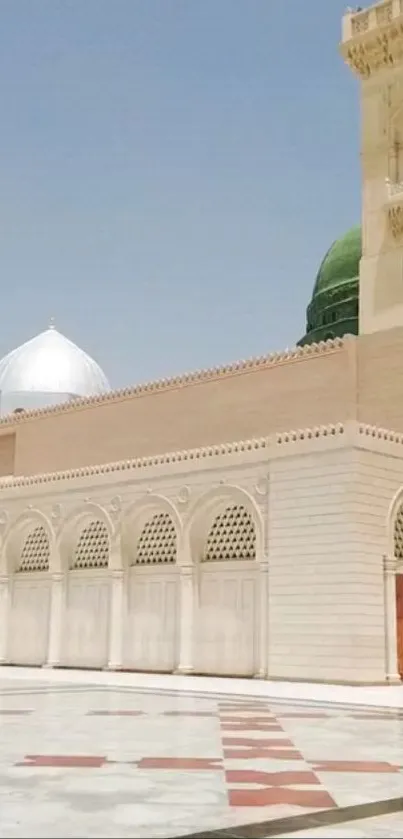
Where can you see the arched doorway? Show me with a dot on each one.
(86, 620)
(398, 553)
(30, 596)
(150, 543)
(227, 609)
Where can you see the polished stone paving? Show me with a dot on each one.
(108, 755)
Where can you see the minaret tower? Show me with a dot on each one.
(372, 46)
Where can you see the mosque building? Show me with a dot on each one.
(243, 520)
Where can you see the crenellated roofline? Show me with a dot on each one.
(249, 365)
(287, 443)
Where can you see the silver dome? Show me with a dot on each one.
(51, 364)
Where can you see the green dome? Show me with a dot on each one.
(333, 310)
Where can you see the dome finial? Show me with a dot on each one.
(51, 323)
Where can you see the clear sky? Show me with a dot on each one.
(171, 174)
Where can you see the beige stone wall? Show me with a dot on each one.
(360, 379)
(289, 393)
(316, 598)
(323, 533)
(380, 379)
(328, 534)
(7, 453)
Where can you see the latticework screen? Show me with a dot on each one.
(35, 553)
(157, 542)
(232, 536)
(92, 549)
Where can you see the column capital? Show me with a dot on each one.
(57, 576)
(186, 570)
(4, 579)
(117, 573)
(390, 564)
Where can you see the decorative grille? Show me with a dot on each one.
(92, 550)
(157, 543)
(232, 536)
(35, 554)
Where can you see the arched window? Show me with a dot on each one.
(92, 549)
(35, 552)
(231, 536)
(157, 542)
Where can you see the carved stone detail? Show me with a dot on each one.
(395, 216)
(261, 487)
(375, 51)
(115, 507)
(56, 513)
(390, 564)
(183, 496)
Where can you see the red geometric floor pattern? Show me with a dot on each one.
(247, 722)
(249, 731)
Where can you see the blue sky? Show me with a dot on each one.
(171, 173)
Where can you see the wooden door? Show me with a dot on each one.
(399, 622)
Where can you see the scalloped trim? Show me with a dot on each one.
(270, 360)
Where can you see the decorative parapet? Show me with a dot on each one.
(253, 364)
(352, 433)
(372, 39)
(203, 456)
(310, 433)
(380, 433)
(205, 453)
(394, 207)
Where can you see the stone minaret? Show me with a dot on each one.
(372, 46)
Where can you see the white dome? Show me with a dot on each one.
(51, 364)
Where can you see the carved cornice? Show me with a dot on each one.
(214, 373)
(373, 39)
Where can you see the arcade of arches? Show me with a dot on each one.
(278, 560)
(90, 598)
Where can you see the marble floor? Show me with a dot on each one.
(135, 756)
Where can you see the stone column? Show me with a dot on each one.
(56, 622)
(186, 619)
(389, 575)
(115, 655)
(263, 582)
(4, 617)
